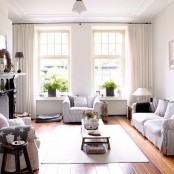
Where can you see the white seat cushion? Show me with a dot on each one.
(79, 110)
(142, 117)
(154, 126)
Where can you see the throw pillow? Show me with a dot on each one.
(3, 121)
(170, 110)
(172, 117)
(90, 101)
(80, 102)
(161, 108)
(154, 104)
(16, 122)
(71, 99)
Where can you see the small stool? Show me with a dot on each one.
(16, 150)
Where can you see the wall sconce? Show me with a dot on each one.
(19, 55)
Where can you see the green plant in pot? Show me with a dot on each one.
(110, 85)
(53, 82)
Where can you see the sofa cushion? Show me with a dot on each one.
(161, 108)
(80, 102)
(170, 110)
(71, 99)
(143, 107)
(154, 104)
(79, 110)
(154, 126)
(142, 117)
(90, 101)
(16, 122)
(3, 121)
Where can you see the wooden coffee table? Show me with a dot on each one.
(90, 139)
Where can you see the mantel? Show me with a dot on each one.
(11, 74)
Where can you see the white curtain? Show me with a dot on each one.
(23, 41)
(139, 61)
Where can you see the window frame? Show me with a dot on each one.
(110, 57)
(52, 57)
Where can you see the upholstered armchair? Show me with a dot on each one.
(22, 129)
(73, 107)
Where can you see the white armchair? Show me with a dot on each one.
(73, 107)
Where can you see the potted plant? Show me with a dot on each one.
(110, 85)
(53, 82)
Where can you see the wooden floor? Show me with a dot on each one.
(158, 163)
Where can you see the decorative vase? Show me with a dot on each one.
(109, 91)
(51, 93)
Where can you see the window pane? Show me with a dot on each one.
(105, 38)
(43, 38)
(104, 49)
(119, 37)
(65, 38)
(51, 38)
(119, 49)
(106, 70)
(112, 49)
(50, 67)
(97, 49)
(43, 50)
(58, 50)
(111, 37)
(64, 49)
(97, 38)
(51, 50)
(58, 38)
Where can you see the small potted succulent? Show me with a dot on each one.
(110, 86)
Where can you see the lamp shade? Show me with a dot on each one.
(19, 55)
(79, 7)
(142, 92)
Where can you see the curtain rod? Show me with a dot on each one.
(86, 23)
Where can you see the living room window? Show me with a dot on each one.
(54, 55)
(108, 54)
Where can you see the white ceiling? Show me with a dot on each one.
(51, 11)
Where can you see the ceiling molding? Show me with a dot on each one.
(140, 12)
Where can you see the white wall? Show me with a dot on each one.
(5, 25)
(163, 32)
(81, 67)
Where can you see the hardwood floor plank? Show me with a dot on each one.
(90, 169)
(77, 168)
(127, 168)
(64, 169)
(115, 168)
(102, 168)
(158, 163)
(51, 168)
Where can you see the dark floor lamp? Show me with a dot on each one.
(19, 55)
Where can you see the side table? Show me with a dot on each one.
(16, 150)
(129, 112)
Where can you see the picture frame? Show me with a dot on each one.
(171, 54)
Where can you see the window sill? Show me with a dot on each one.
(50, 98)
(111, 98)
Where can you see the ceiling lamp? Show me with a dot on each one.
(79, 7)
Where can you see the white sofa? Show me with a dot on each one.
(157, 124)
(74, 105)
(32, 148)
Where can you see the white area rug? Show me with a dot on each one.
(65, 143)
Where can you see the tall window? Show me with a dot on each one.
(54, 54)
(108, 53)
